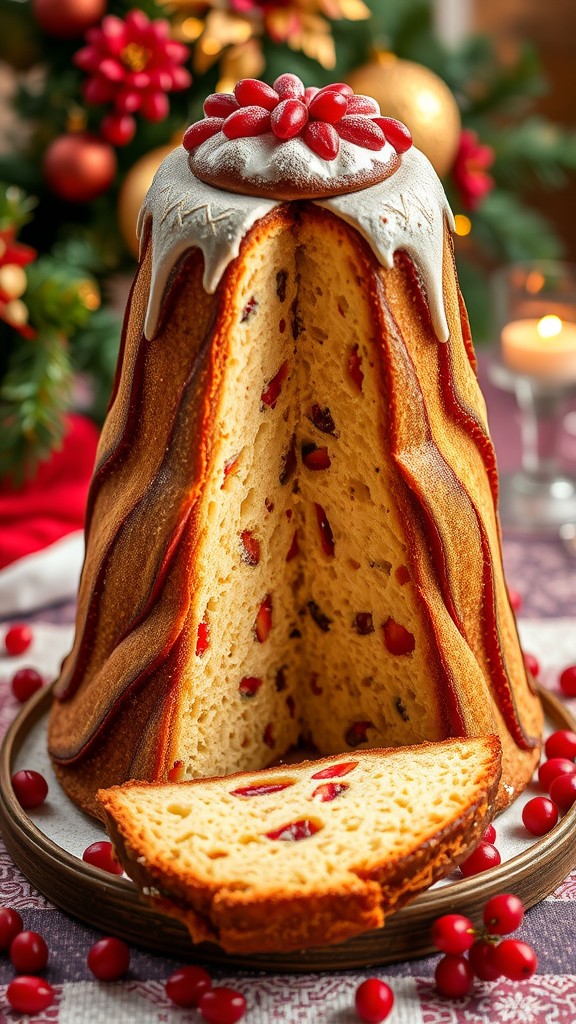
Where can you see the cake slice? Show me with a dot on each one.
(307, 854)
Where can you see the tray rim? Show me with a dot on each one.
(114, 905)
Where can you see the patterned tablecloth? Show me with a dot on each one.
(545, 574)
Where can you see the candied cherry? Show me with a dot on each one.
(481, 957)
(28, 953)
(17, 639)
(222, 1006)
(186, 986)
(561, 744)
(503, 914)
(10, 925)
(101, 855)
(374, 1000)
(29, 995)
(514, 959)
(563, 792)
(453, 933)
(30, 788)
(454, 976)
(553, 769)
(539, 815)
(484, 857)
(25, 682)
(532, 664)
(568, 681)
(109, 959)
(489, 835)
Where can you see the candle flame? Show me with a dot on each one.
(549, 326)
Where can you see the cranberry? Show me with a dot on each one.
(251, 545)
(335, 771)
(568, 681)
(261, 790)
(315, 458)
(25, 682)
(563, 792)
(485, 856)
(28, 953)
(454, 976)
(186, 986)
(222, 1006)
(326, 535)
(30, 788)
(514, 959)
(553, 769)
(503, 914)
(109, 959)
(263, 623)
(397, 639)
(453, 933)
(539, 815)
(481, 957)
(10, 925)
(374, 1001)
(17, 639)
(29, 995)
(249, 685)
(294, 831)
(561, 744)
(532, 665)
(329, 791)
(490, 835)
(101, 855)
(271, 392)
(203, 638)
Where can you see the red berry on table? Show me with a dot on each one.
(29, 995)
(484, 857)
(481, 957)
(25, 682)
(374, 1000)
(453, 976)
(553, 768)
(489, 835)
(10, 925)
(453, 933)
(17, 639)
(28, 953)
(539, 815)
(561, 744)
(30, 788)
(186, 986)
(532, 664)
(515, 960)
(503, 914)
(563, 792)
(222, 1006)
(101, 855)
(109, 959)
(568, 681)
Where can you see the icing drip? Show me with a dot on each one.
(404, 212)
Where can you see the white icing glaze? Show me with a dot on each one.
(406, 211)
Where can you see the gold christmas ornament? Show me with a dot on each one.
(136, 184)
(418, 97)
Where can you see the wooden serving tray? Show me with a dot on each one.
(114, 905)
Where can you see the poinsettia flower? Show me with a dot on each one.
(470, 170)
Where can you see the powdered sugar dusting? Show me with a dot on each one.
(405, 212)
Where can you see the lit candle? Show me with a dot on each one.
(543, 348)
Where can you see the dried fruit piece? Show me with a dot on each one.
(326, 535)
(246, 123)
(328, 106)
(263, 623)
(251, 553)
(321, 620)
(202, 638)
(249, 308)
(356, 734)
(363, 623)
(288, 463)
(271, 392)
(252, 92)
(359, 130)
(198, 133)
(294, 831)
(268, 736)
(220, 104)
(322, 420)
(335, 771)
(355, 367)
(397, 638)
(341, 87)
(289, 86)
(175, 773)
(328, 791)
(322, 139)
(231, 467)
(249, 685)
(315, 458)
(288, 118)
(362, 105)
(398, 134)
(261, 789)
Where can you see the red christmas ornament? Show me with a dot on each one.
(132, 64)
(469, 170)
(79, 167)
(68, 18)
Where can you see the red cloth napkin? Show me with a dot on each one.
(53, 503)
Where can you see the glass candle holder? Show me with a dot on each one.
(535, 305)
